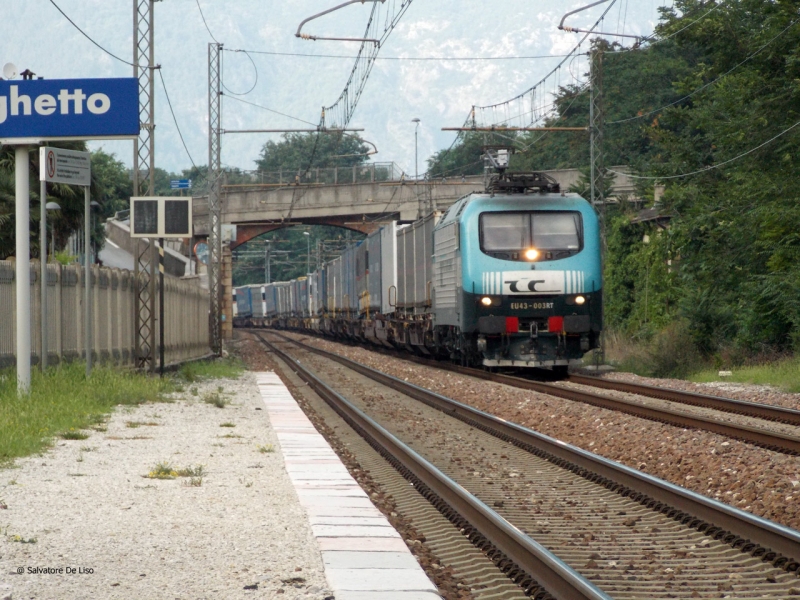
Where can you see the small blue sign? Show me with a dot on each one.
(69, 108)
(180, 184)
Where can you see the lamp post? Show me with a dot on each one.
(416, 149)
(308, 252)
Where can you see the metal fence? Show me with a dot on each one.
(365, 173)
(185, 320)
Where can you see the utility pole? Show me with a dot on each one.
(267, 266)
(596, 122)
(214, 209)
(144, 180)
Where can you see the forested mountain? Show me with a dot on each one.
(710, 109)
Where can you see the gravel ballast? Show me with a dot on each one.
(235, 531)
(754, 479)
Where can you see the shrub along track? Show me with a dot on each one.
(632, 535)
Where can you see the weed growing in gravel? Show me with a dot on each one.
(164, 470)
(135, 424)
(20, 539)
(266, 448)
(193, 482)
(3, 505)
(232, 436)
(196, 471)
(29, 423)
(88, 449)
(215, 399)
(227, 425)
(229, 368)
(72, 434)
(194, 391)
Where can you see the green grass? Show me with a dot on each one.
(62, 401)
(215, 400)
(783, 374)
(229, 368)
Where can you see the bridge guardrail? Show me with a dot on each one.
(363, 173)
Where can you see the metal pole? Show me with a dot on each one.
(23, 269)
(87, 276)
(161, 306)
(144, 179)
(416, 153)
(43, 270)
(214, 209)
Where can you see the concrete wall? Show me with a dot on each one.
(119, 232)
(113, 294)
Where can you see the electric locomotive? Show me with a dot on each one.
(517, 276)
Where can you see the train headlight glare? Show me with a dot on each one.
(531, 254)
(486, 301)
(580, 300)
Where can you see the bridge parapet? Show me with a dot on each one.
(359, 206)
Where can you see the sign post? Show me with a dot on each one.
(23, 269)
(37, 111)
(72, 168)
(165, 217)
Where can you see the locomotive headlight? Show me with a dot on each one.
(531, 254)
(580, 300)
(486, 301)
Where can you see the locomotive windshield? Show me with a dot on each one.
(506, 234)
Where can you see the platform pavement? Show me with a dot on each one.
(364, 556)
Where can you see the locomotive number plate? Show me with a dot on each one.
(531, 305)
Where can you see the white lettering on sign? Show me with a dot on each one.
(68, 102)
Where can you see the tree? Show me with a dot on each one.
(297, 152)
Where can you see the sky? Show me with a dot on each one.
(35, 36)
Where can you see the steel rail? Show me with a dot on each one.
(770, 440)
(537, 564)
(764, 538)
(742, 407)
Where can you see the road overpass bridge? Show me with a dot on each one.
(358, 198)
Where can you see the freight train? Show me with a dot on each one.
(509, 278)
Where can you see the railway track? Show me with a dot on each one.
(784, 442)
(629, 534)
(750, 409)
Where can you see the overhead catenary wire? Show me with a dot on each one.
(405, 58)
(169, 102)
(255, 83)
(710, 167)
(88, 37)
(274, 111)
(202, 16)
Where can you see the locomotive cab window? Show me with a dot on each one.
(512, 235)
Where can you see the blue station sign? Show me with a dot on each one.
(56, 109)
(180, 184)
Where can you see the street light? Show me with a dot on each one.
(308, 252)
(416, 152)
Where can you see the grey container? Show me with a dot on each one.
(415, 265)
